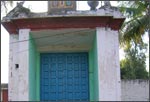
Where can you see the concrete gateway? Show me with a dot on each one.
(71, 56)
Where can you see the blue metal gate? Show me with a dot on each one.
(64, 76)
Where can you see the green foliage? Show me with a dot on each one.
(134, 66)
(137, 22)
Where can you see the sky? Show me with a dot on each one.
(35, 6)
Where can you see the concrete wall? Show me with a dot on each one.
(18, 88)
(103, 61)
(13, 71)
(34, 72)
(108, 64)
(23, 83)
(93, 72)
(134, 90)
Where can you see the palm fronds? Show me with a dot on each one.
(137, 22)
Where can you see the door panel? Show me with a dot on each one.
(64, 76)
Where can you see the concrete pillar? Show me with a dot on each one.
(108, 64)
(23, 85)
(13, 71)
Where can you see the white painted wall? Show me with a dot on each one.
(108, 65)
(13, 72)
(134, 90)
(23, 86)
(18, 77)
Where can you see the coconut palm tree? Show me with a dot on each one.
(137, 22)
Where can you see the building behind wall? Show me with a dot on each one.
(4, 92)
(71, 56)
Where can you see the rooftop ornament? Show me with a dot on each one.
(107, 3)
(93, 4)
(18, 11)
(107, 6)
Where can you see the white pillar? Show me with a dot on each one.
(23, 86)
(13, 71)
(108, 65)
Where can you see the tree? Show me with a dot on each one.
(135, 26)
(137, 22)
(4, 5)
(134, 66)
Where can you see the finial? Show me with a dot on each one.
(20, 3)
(93, 4)
(107, 3)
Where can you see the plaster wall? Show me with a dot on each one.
(108, 65)
(93, 72)
(38, 76)
(18, 85)
(34, 72)
(135, 90)
(23, 53)
(13, 79)
(103, 61)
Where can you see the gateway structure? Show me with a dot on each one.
(73, 55)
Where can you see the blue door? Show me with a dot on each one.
(64, 76)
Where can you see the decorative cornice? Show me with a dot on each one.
(21, 18)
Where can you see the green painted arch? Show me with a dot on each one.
(34, 72)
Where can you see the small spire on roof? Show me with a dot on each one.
(107, 3)
(20, 3)
(93, 4)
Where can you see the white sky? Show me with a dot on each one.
(35, 6)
